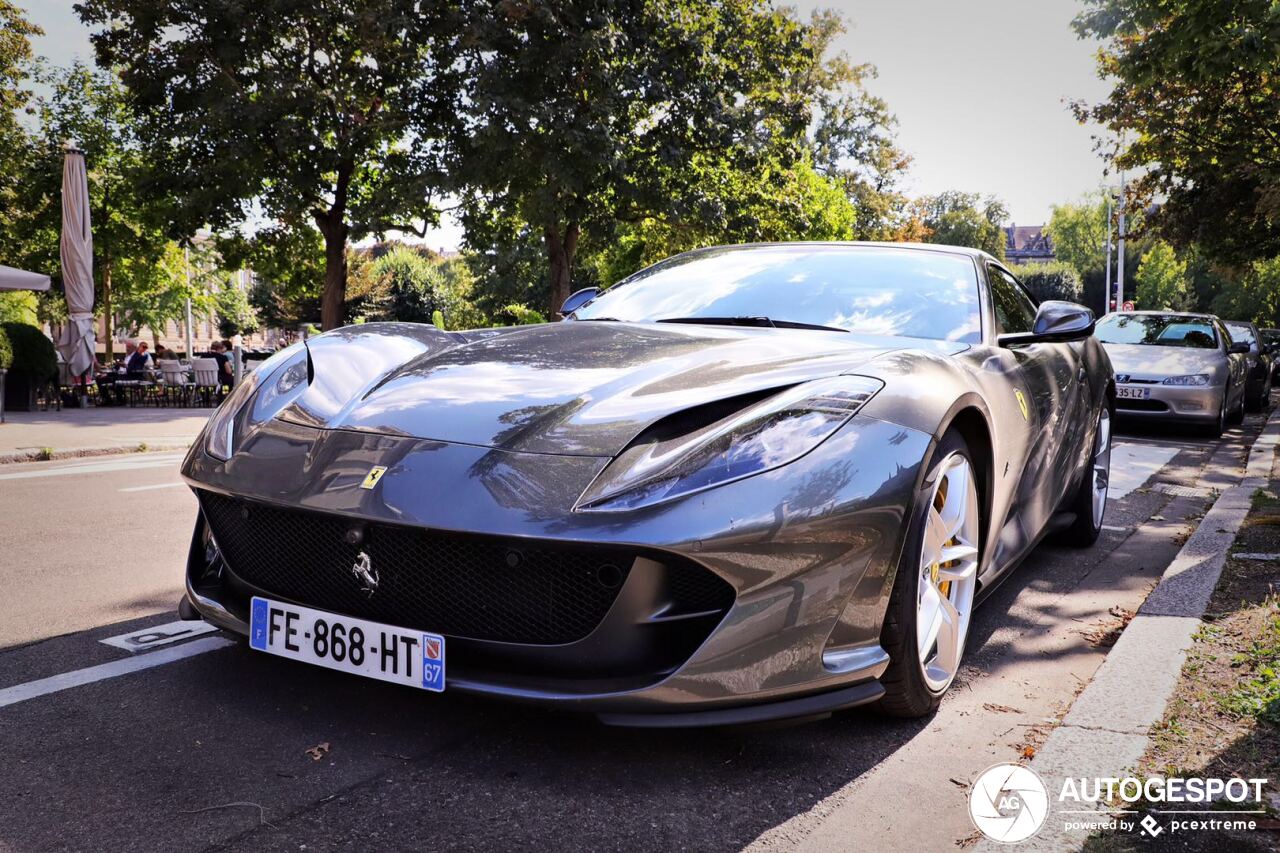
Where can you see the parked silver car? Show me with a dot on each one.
(1176, 366)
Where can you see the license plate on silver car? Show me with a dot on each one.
(384, 652)
(1124, 392)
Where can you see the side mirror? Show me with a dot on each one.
(1239, 348)
(577, 299)
(1056, 322)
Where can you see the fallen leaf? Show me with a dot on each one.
(999, 709)
(1028, 751)
(318, 751)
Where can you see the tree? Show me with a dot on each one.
(1162, 280)
(588, 113)
(15, 147)
(407, 284)
(156, 290)
(1255, 296)
(326, 113)
(1196, 103)
(289, 272)
(90, 107)
(964, 219)
(1079, 234)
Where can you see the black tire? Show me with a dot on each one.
(1083, 532)
(905, 691)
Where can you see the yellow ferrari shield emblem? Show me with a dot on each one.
(371, 479)
(1022, 404)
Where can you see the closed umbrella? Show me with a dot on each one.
(77, 341)
(15, 279)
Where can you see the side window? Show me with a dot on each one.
(1225, 334)
(1014, 311)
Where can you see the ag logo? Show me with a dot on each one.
(375, 474)
(1008, 803)
(1022, 404)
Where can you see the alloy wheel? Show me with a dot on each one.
(948, 572)
(1101, 465)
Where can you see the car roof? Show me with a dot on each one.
(1190, 315)
(854, 244)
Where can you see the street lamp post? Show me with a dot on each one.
(1120, 259)
(1107, 290)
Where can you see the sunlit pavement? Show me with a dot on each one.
(217, 746)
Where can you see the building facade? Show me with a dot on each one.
(1027, 244)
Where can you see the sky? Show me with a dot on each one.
(978, 88)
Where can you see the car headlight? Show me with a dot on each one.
(272, 386)
(766, 435)
(1193, 379)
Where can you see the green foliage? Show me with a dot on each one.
(1254, 296)
(1079, 233)
(521, 315)
(406, 290)
(1196, 102)
(6, 350)
(15, 145)
(1258, 695)
(33, 353)
(157, 290)
(324, 113)
(288, 266)
(235, 315)
(795, 203)
(1162, 280)
(587, 115)
(965, 219)
(18, 306)
(1055, 280)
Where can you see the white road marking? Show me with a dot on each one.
(1262, 558)
(139, 462)
(1115, 529)
(101, 672)
(149, 488)
(1133, 464)
(160, 635)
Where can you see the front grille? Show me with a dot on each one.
(458, 585)
(1141, 405)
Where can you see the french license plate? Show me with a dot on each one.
(344, 643)
(1126, 393)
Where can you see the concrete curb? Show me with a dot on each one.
(84, 452)
(1105, 733)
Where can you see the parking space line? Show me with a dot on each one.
(149, 488)
(1136, 464)
(113, 669)
(136, 462)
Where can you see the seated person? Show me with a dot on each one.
(140, 360)
(226, 372)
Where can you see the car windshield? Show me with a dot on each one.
(1241, 333)
(874, 290)
(1160, 330)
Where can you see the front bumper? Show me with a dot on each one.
(1199, 404)
(807, 552)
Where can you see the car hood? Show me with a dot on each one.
(1146, 361)
(575, 388)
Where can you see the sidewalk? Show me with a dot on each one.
(26, 436)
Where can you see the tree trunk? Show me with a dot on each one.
(333, 302)
(106, 310)
(560, 253)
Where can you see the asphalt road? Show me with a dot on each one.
(229, 749)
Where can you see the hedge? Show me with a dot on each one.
(6, 351)
(1055, 280)
(32, 353)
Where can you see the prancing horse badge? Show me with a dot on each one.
(1022, 404)
(375, 474)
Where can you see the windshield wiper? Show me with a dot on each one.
(767, 322)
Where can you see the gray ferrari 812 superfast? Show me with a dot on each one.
(746, 483)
